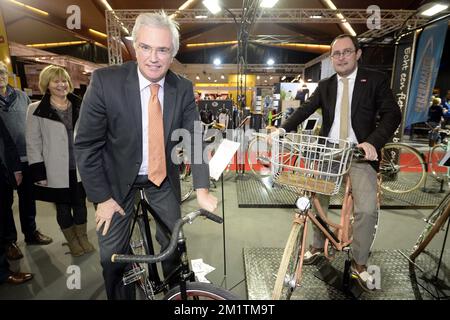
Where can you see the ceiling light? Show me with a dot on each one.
(44, 13)
(212, 6)
(186, 5)
(217, 62)
(197, 77)
(432, 8)
(258, 77)
(283, 78)
(222, 77)
(270, 62)
(270, 78)
(98, 33)
(265, 80)
(55, 44)
(317, 16)
(201, 17)
(106, 4)
(209, 78)
(268, 3)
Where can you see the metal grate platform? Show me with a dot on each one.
(253, 193)
(398, 277)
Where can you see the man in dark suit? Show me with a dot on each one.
(368, 98)
(10, 177)
(121, 135)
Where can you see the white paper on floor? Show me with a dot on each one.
(201, 269)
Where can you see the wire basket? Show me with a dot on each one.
(310, 163)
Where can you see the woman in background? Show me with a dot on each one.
(50, 134)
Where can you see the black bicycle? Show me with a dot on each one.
(144, 271)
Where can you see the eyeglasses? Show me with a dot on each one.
(161, 52)
(346, 53)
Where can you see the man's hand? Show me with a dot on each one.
(104, 213)
(18, 175)
(369, 150)
(206, 200)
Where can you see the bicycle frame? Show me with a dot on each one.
(183, 271)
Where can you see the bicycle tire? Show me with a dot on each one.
(403, 174)
(285, 282)
(186, 185)
(437, 219)
(436, 154)
(201, 291)
(258, 156)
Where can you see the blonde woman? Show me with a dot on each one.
(49, 139)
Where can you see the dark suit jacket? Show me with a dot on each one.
(9, 158)
(108, 139)
(375, 113)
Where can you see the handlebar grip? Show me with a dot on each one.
(358, 153)
(211, 216)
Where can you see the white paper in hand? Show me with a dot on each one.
(222, 158)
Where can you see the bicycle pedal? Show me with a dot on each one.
(132, 275)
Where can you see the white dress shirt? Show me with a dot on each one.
(334, 131)
(144, 89)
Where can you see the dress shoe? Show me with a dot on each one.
(19, 277)
(38, 238)
(13, 252)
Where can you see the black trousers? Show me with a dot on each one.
(75, 212)
(27, 209)
(163, 200)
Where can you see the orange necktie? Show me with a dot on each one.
(156, 152)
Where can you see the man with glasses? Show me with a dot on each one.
(13, 108)
(127, 117)
(357, 105)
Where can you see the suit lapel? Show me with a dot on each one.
(332, 93)
(358, 89)
(170, 90)
(133, 99)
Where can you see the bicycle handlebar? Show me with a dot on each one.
(188, 218)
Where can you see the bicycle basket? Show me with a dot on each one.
(309, 162)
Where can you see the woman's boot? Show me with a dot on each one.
(72, 241)
(81, 231)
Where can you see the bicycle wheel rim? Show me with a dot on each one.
(401, 176)
(200, 291)
(285, 282)
(436, 154)
(434, 224)
(258, 155)
(139, 246)
(186, 186)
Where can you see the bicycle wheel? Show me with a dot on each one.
(140, 246)
(436, 154)
(286, 282)
(402, 168)
(258, 157)
(185, 181)
(201, 291)
(434, 223)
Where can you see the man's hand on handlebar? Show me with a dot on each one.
(369, 150)
(206, 200)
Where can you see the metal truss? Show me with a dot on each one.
(276, 69)
(119, 22)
